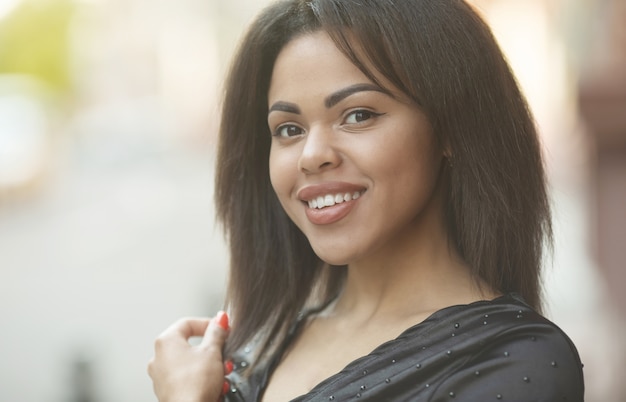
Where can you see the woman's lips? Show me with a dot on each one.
(330, 202)
(328, 215)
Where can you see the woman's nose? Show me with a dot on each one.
(319, 152)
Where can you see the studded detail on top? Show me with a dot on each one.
(501, 350)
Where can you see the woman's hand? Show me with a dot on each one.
(181, 372)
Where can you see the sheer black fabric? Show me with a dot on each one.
(485, 351)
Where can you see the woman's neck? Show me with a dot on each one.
(407, 281)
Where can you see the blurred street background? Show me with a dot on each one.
(108, 118)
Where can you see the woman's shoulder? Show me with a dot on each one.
(488, 350)
(511, 352)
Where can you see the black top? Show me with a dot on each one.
(484, 351)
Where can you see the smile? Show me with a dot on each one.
(329, 200)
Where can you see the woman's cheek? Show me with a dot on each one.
(283, 171)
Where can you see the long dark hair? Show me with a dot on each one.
(444, 57)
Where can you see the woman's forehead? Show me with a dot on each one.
(316, 55)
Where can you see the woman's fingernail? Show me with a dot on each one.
(222, 320)
(228, 367)
(225, 387)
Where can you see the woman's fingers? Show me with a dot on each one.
(181, 371)
(187, 328)
(217, 331)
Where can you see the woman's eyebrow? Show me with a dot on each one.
(332, 99)
(341, 94)
(281, 106)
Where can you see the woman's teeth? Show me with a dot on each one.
(329, 200)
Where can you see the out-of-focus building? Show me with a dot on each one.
(603, 106)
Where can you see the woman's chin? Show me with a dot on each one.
(334, 257)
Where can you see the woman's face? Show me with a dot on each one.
(354, 165)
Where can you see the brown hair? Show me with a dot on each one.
(444, 57)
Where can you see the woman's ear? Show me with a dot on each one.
(447, 154)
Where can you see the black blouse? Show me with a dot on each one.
(484, 351)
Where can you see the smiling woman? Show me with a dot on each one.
(347, 135)
(381, 186)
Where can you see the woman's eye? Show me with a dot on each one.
(359, 116)
(288, 130)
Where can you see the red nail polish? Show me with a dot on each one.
(228, 367)
(225, 387)
(222, 320)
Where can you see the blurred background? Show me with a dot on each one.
(108, 116)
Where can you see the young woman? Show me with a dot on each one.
(381, 186)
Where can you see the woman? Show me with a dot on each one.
(382, 190)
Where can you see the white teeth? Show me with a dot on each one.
(329, 200)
